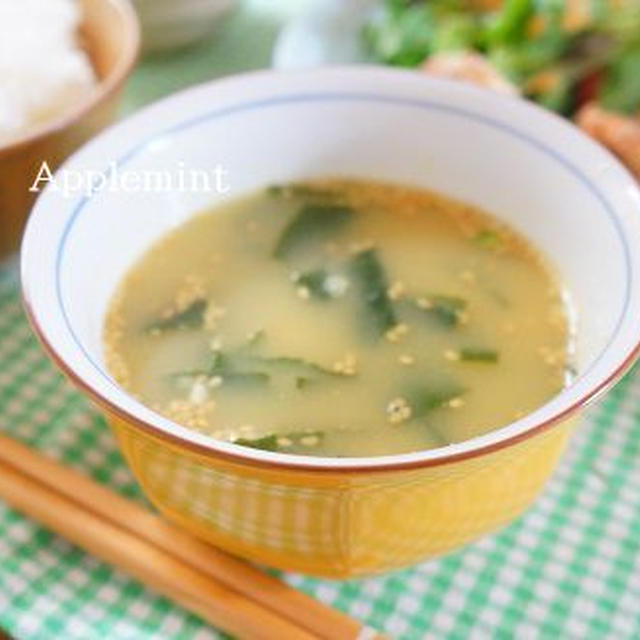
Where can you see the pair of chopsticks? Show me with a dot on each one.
(222, 590)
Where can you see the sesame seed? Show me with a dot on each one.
(395, 333)
(468, 276)
(284, 442)
(215, 382)
(451, 355)
(398, 411)
(396, 290)
(303, 293)
(406, 358)
(309, 441)
(346, 366)
(424, 303)
(456, 403)
(198, 393)
(336, 286)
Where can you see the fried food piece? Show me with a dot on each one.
(470, 67)
(621, 134)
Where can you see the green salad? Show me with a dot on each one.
(556, 52)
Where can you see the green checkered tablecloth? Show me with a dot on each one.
(570, 568)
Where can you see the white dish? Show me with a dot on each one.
(327, 32)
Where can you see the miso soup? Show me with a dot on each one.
(340, 318)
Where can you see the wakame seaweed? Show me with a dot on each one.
(372, 284)
(312, 223)
(191, 317)
(475, 354)
(424, 399)
(315, 282)
(292, 442)
(444, 310)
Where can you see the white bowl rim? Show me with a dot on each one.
(120, 403)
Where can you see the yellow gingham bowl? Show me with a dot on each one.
(350, 516)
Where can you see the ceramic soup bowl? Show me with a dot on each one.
(350, 516)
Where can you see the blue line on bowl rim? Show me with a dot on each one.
(422, 104)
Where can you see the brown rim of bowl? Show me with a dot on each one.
(105, 88)
(275, 465)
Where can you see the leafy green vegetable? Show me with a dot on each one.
(488, 238)
(287, 442)
(559, 96)
(297, 366)
(230, 369)
(314, 281)
(402, 35)
(246, 378)
(424, 399)
(190, 318)
(443, 310)
(265, 443)
(242, 368)
(522, 38)
(371, 280)
(474, 354)
(620, 22)
(509, 23)
(455, 33)
(313, 222)
(621, 89)
(302, 382)
(521, 60)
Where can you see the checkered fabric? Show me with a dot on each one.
(570, 568)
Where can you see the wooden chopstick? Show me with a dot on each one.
(195, 591)
(110, 526)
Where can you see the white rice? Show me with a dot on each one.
(43, 69)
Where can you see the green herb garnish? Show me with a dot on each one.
(423, 399)
(473, 354)
(293, 442)
(246, 378)
(265, 443)
(297, 366)
(230, 369)
(488, 239)
(190, 318)
(444, 310)
(312, 223)
(372, 283)
(621, 89)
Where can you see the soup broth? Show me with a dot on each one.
(340, 318)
